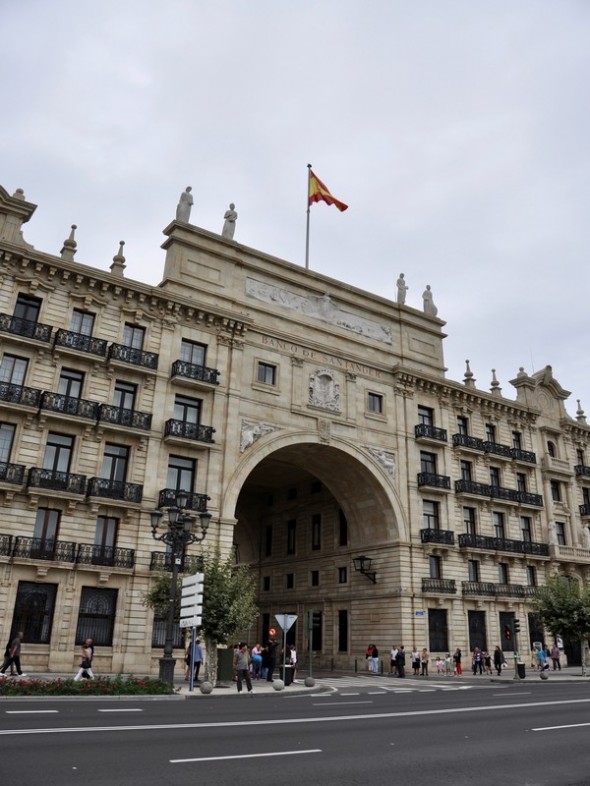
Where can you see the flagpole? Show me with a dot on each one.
(307, 227)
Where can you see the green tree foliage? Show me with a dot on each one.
(563, 605)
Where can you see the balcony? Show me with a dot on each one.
(105, 555)
(487, 446)
(432, 480)
(478, 588)
(498, 590)
(25, 328)
(66, 405)
(425, 431)
(136, 357)
(12, 473)
(6, 545)
(497, 449)
(44, 548)
(585, 509)
(498, 492)
(115, 489)
(18, 394)
(195, 373)
(193, 431)
(161, 560)
(441, 536)
(582, 471)
(78, 342)
(56, 481)
(523, 455)
(124, 417)
(465, 441)
(195, 502)
(467, 541)
(440, 586)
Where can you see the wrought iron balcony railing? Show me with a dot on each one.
(80, 342)
(163, 561)
(424, 430)
(582, 471)
(181, 368)
(497, 449)
(6, 545)
(466, 441)
(44, 548)
(115, 489)
(478, 588)
(25, 328)
(433, 480)
(487, 446)
(67, 405)
(195, 502)
(56, 481)
(136, 357)
(12, 473)
(105, 555)
(439, 585)
(467, 541)
(498, 492)
(194, 431)
(124, 417)
(523, 455)
(444, 536)
(488, 588)
(18, 394)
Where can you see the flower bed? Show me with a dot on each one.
(101, 686)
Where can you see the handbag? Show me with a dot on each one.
(86, 663)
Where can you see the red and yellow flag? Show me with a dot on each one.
(319, 193)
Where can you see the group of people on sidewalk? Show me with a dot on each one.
(13, 651)
(260, 663)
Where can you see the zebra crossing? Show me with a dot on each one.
(383, 684)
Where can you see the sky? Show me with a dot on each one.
(457, 131)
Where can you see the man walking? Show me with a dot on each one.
(242, 667)
(14, 656)
(400, 661)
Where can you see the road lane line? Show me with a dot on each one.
(340, 703)
(245, 756)
(124, 709)
(30, 712)
(520, 693)
(555, 728)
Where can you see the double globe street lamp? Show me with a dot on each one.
(178, 535)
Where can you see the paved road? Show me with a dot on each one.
(534, 734)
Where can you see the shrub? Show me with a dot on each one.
(101, 686)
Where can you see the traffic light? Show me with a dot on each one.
(507, 632)
(517, 626)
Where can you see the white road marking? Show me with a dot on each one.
(30, 712)
(554, 728)
(125, 709)
(245, 756)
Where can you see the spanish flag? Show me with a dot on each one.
(319, 193)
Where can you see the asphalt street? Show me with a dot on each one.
(526, 733)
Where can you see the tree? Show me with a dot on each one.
(564, 608)
(228, 600)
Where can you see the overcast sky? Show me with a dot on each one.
(456, 130)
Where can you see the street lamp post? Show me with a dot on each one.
(178, 535)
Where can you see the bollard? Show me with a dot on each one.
(356, 666)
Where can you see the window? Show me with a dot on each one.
(503, 573)
(435, 567)
(375, 403)
(556, 490)
(531, 575)
(266, 583)
(268, 540)
(266, 374)
(82, 322)
(466, 473)
(33, 611)
(58, 452)
(193, 353)
(517, 440)
(462, 426)
(291, 536)
(430, 515)
(490, 432)
(28, 308)
(45, 534)
(428, 462)
(342, 575)
(521, 482)
(498, 522)
(124, 395)
(581, 457)
(342, 630)
(13, 369)
(438, 632)
(586, 495)
(425, 416)
(316, 630)
(114, 462)
(560, 533)
(469, 521)
(551, 449)
(343, 529)
(6, 439)
(133, 336)
(316, 531)
(159, 632)
(105, 539)
(526, 528)
(473, 570)
(96, 618)
(494, 476)
(70, 383)
(181, 474)
(290, 580)
(187, 410)
(315, 578)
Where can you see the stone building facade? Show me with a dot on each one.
(313, 420)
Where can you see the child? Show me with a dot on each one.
(448, 665)
(440, 665)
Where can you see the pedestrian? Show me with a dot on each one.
(487, 660)
(197, 659)
(477, 661)
(393, 659)
(415, 662)
(272, 659)
(448, 665)
(256, 654)
(542, 659)
(7, 655)
(499, 660)
(369, 657)
(400, 661)
(375, 659)
(13, 655)
(85, 670)
(293, 662)
(424, 662)
(242, 667)
(555, 655)
(457, 655)
(440, 665)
